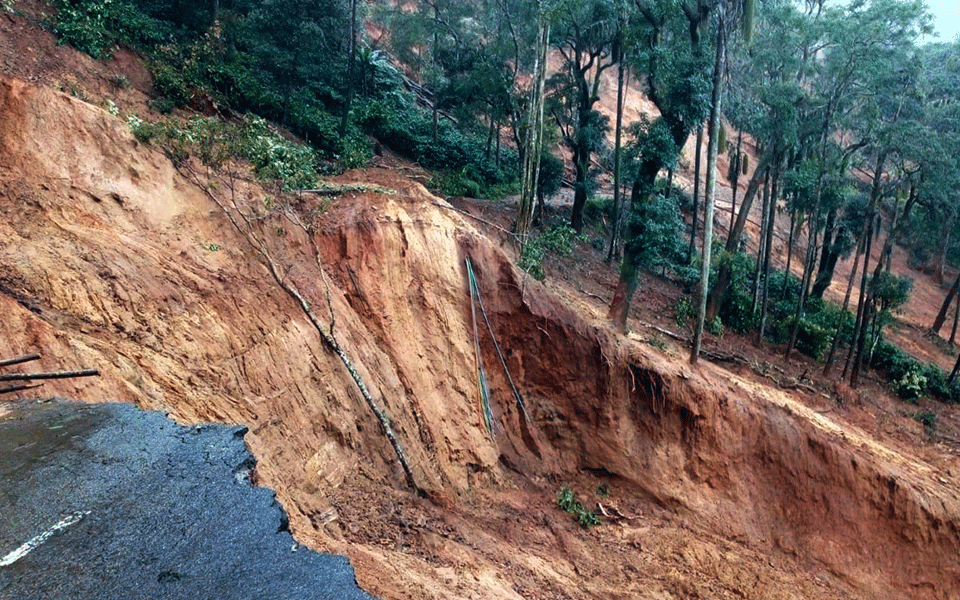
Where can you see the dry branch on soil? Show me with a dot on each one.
(16, 360)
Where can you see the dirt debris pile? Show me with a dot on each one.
(109, 257)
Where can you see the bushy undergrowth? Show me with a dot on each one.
(910, 378)
(215, 142)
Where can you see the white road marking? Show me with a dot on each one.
(35, 541)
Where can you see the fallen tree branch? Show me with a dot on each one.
(476, 218)
(18, 388)
(666, 332)
(50, 375)
(16, 360)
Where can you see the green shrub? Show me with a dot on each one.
(567, 502)
(550, 175)
(927, 418)
(162, 105)
(557, 240)
(684, 311)
(911, 385)
(272, 158)
(598, 211)
(654, 235)
(461, 182)
(355, 152)
(96, 26)
(827, 316)
(399, 124)
(812, 340)
(531, 259)
(83, 25)
(937, 385)
(714, 326)
(893, 361)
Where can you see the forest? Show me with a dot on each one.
(840, 117)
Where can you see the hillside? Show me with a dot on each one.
(718, 485)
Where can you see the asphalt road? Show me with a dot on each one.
(107, 502)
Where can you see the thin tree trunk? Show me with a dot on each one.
(808, 264)
(761, 242)
(786, 272)
(953, 332)
(953, 373)
(351, 69)
(618, 151)
(943, 244)
(866, 295)
(696, 196)
(722, 284)
(489, 136)
(496, 136)
(942, 315)
(534, 142)
(846, 303)
(715, 107)
(734, 184)
(771, 226)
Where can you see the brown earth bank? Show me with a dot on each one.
(716, 484)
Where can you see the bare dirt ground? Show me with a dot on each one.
(719, 482)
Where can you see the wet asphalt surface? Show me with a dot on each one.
(107, 502)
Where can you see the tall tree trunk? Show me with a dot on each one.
(790, 239)
(866, 291)
(943, 244)
(771, 226)
(618, 150)
(581, 168)
(761, 242)
(496, 137)
(734, 182)
(835, 343)
(721, 286)
(829, 257)
(489, 135)
(953, 331)
(696, 196)
(813, 230)
(351, 69)
(712, 143)
(533, 144)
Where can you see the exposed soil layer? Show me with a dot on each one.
(725, 486)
